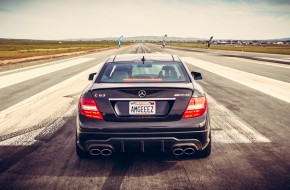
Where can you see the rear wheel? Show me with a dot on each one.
(205, 152)
(80, 152)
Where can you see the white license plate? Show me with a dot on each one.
(142, 108)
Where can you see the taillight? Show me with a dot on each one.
(89, 108)
(196, 107)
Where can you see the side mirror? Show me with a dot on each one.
(196, 75)
(91, 76)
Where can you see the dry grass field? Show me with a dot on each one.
(16, 49)
(22, 53)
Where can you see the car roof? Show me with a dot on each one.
(146, 57)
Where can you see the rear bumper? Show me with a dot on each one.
(139, 144)
(143, 139)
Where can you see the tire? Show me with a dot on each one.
(81, 153)
(205, 152)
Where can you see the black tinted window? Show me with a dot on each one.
(139, 72)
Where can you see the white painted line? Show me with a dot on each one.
(41, 133)
(46, 107)
(226, 128)
(275, 88)
(199, 54)
(60, 61)
(15, 78)
(260, 62)
(41, 65)
(229, 128)
(274, 59)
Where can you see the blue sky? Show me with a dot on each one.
(65, 19)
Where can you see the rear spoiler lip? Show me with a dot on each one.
(110, 86)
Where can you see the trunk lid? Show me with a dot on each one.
(161, 102)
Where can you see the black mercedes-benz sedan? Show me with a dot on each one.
(143, 103)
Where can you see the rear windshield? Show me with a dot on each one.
(148, 72)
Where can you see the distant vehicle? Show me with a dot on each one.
(143, 103)
(222, 42)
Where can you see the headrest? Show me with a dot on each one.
(167, 68)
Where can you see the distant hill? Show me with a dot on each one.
(280, 39)
(137, 38)
(160, 38)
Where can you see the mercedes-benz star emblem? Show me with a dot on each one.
(142, 93)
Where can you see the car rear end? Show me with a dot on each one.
(142, 111)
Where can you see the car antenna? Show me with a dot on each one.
(143, 59)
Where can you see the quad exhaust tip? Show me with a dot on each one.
(189, 151)
(101, 151)
(106, 152)
(95, 151)
(178, 151)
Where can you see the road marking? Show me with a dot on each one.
(272, 87)
(41, 65)
(15, 78)
(259, 62)
(229, 128)
(200, 54)
(226, 128)
(45, 107)
(38, 133)
(47, 111)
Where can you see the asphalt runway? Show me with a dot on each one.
(248, 95)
